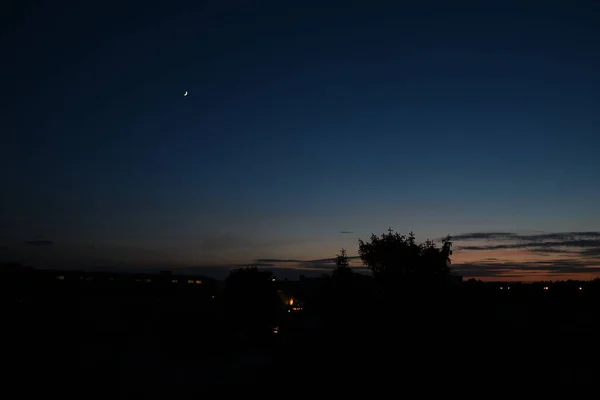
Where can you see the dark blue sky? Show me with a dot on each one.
(303, 119)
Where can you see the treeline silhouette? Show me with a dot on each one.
(409, 320)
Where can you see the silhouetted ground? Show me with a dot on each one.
(137, 341)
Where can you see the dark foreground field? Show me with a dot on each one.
(138, 341)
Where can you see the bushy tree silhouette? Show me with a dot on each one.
(250, 300)
(398, 261)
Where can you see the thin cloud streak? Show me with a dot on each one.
(502, 236)
(553, 255)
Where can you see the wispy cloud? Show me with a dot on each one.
(591, 253)
(346, 232)
(534, 237)
(321, 263)
(531, 268)
(584, 244)
(258, 265)
(485, 236)
(553, 246)
(554, 254)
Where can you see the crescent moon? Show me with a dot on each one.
(185, 94)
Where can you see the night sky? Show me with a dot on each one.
(308, 125)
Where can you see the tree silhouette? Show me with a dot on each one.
(397, 260)
(343, 270)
